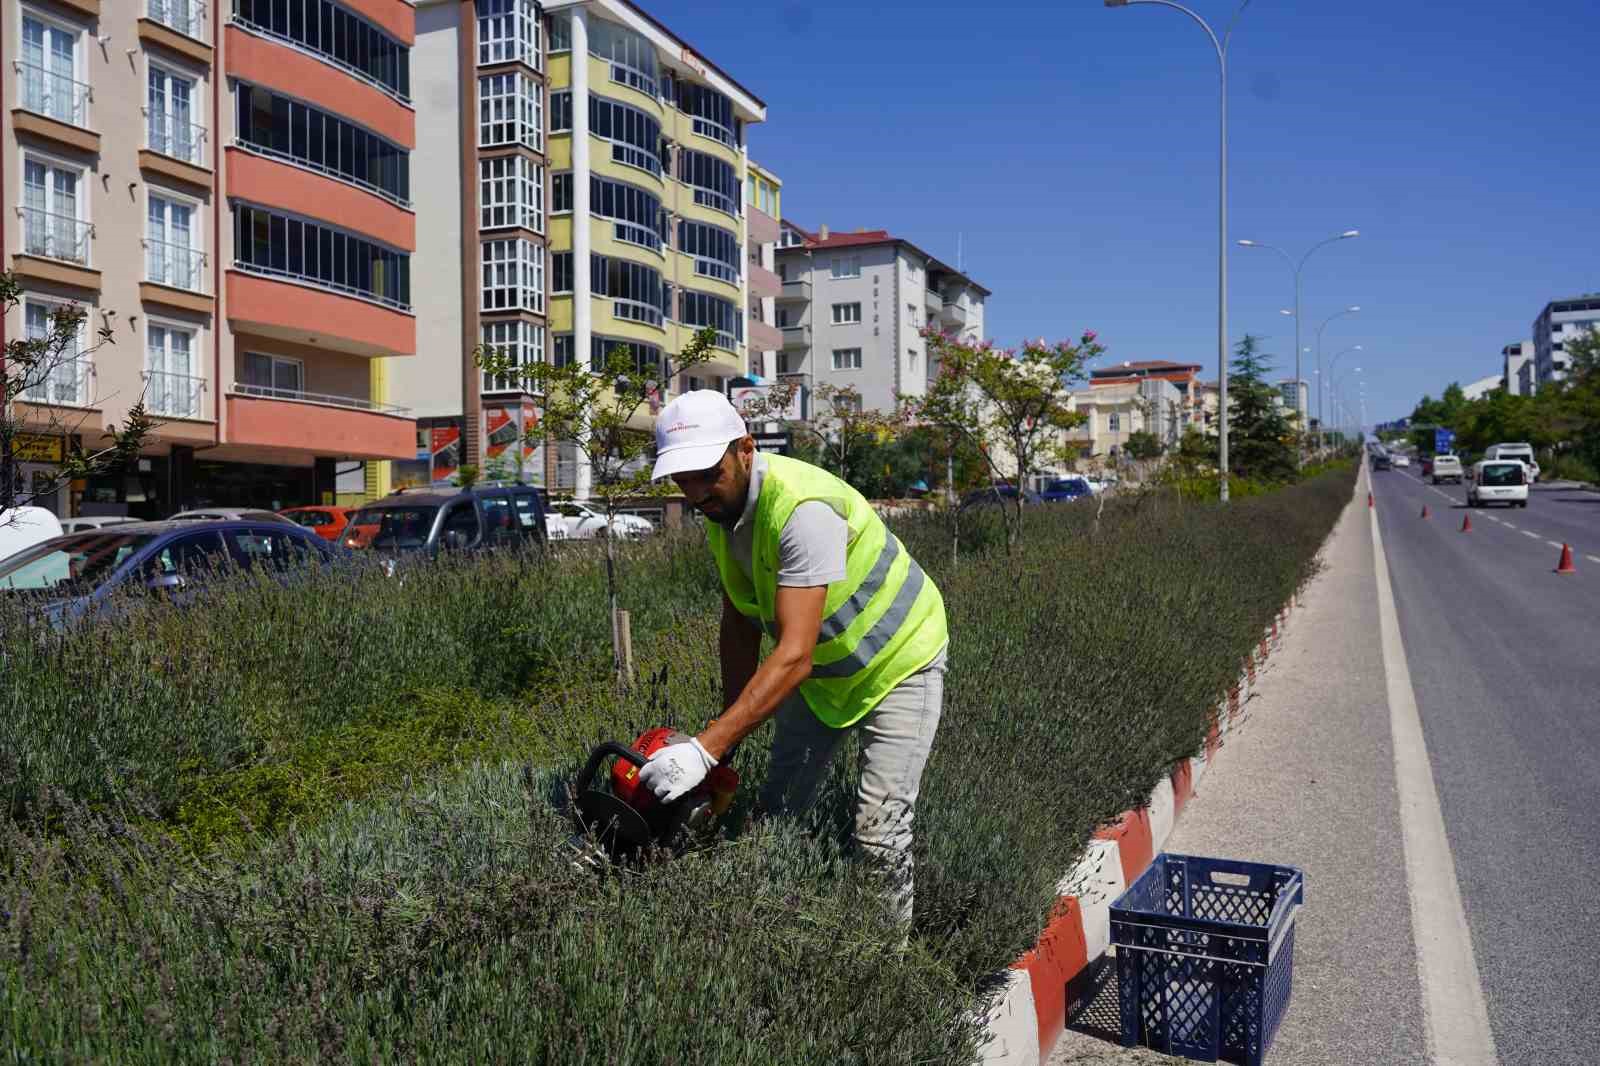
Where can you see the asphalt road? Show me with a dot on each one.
(1505, 662)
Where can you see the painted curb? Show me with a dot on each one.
(1026, 1019)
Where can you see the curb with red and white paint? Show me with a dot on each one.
(1028, 1017)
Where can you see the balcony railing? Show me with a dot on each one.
(323, 284)
(954, 314)
(67, 384)
(267, 392)
(188, 17)
(174, 395)
(55, 236)
(180, 140)
(797, 336)
(797, 290)
(53, 94)
(177, 265)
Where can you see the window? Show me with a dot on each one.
(701, 309)
(268, 242)
(561, 350)
(65, 382)
(170, 126)
(711, 111)
(632, 58)
(645, 358)
(511, 193)
(185, 16)
(172, 245)
(522, 343)
(561, 194)
(510, 111)
(513, 275)
(560, 273)
(637, 213)
(1114, 422)
(53, 222)
(286, 129)
(508, 31)
(333, 33)
(715, 183)
(847, 267)
(847, 358)
(48, 70)
(715, 250)
(635, 289)
(911, 357)
(635, 135)
(171, 388)
(269, 375)
(846, 314)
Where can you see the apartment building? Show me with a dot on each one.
(763, 195)
(1559, 322)
(853, 306)
(1296, 397)
(1185, 377)
(226, 190)
(1517, 376)
(586, 171)
(1115, 411)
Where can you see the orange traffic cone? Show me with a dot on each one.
(1424, 510)
(1466, 523)
(1565, 565)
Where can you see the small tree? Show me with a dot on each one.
(604, 411)
(840, 426)
(1011, 404)
(1142, 444)
(32, 364)
(1261, 438)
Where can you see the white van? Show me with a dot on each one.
(23, 527)
(1521, 452)
(1498, 481)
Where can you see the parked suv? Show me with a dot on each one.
(1446, 468)
(422, 521)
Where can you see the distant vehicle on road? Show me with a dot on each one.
(1521, 452)
(1401, 461)
(1445, 468)
(1066, 489)
(1498, 481)
(1381, 461)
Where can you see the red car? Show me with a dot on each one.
(326, 522)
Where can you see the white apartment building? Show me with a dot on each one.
(1517, 376)
(1561, 321)
(853, 308)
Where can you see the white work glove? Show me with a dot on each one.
(676, 769)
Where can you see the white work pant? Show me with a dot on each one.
(895, 739)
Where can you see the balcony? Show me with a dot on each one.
(179, 25)
(65, 385)
(183, 141)
(932, 302)
(313, 423)
(175, 275)
(53, 236)
(262, 60)
(763, 227)
(765, 338)
(764, 282)
(295, 187)
(174, 395)
(306, 312)
(797, 291)
(953, 315)
(796, 337)
(53, 105)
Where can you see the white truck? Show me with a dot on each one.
(1522, 452)
(1446, 468)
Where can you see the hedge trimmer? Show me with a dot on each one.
(626, 818)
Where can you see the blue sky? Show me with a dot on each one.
(1074, 147)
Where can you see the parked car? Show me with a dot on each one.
(1445, 468)
(23, 527)
(582, 522)
(1065, 489)
(424, 521)
(995, 495)
(1498, 481)
(326, 522)
(85, 523)
(229, 514)
(71, 575)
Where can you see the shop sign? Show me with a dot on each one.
(35, 448)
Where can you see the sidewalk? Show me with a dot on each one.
(1307, 779)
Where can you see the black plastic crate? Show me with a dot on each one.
(1205, 956)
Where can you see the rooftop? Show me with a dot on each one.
(825, 240)
(1142, 366)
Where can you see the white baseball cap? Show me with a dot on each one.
(693, 431)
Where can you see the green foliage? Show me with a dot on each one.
(433, 912)
(1572, 468)
(1261, 438)
(466, 476)
(1143, 444)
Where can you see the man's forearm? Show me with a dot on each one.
(771, 683)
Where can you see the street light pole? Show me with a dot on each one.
(1297, 268)
(1347, 311)
(1222, 223)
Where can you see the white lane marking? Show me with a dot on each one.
(1593, 558)
(1555, 544)
(1530, 533)
(1456, 1021)
(1510, 526)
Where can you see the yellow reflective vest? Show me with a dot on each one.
(881, 624)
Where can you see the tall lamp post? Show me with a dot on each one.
(1352, 309)
(1339, 397)
(1222, 224)
(1297, 268)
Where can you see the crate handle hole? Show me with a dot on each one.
(1237, 880)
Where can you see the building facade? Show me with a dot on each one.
(1561, 321)
(853, 307)
(227, 192)
(763, 206)
(594, 167)
(1477, 390)
(1517, 376)
(1296, 396)
(1184, 377)
(1114, 412)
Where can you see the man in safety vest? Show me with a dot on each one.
(859, 628)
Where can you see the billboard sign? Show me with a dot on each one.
(794, 411)
(1444, 442)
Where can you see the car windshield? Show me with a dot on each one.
(70, 565)
(1501, 474)
(391, 527)
(1068, 487)
(309, 519)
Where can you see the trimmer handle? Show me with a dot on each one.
(599, 755)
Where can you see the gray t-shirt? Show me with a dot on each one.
(812, 546)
